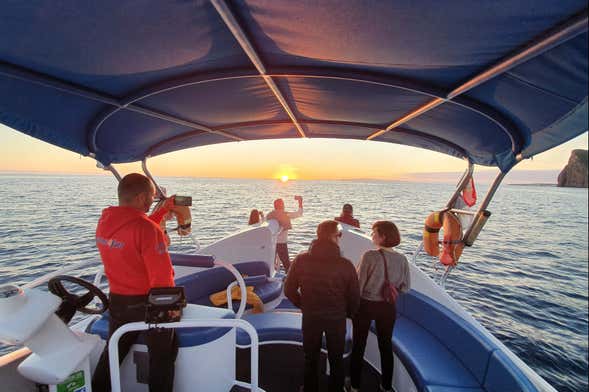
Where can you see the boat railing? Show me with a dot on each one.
(113, 346)
(62, 271)
(462, 212)
(240, 282)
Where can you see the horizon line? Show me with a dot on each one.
(401, 178)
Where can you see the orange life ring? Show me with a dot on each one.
(184, 219)
(452, 242)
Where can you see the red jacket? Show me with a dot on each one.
(134, 252)
(348, 220)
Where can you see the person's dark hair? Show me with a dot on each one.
(347, 208)
(278, 204)
(389, 230)
(326, 229)
(131, 185)
(254, 217)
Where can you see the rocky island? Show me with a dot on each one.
(574, 173)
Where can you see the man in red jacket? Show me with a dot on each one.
(134, 252)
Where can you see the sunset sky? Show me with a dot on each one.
(297, 159)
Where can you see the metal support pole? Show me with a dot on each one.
(486, 201)
(159, 191)
(447, 271)
(111, 169)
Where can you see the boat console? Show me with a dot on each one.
(28, 318)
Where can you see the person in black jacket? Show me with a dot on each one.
(324, 285)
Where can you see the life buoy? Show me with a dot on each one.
(184, 219)
(452, 244)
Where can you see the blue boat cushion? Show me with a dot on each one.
(253, 268)
(200, 285)
(282, 327)
(187, 337)
(255, 280)
(444, 353)
(444, 388)
(426, 359)
(202, 261)
(268, 291)
(504, 376)
(462, 340)
(286, 305)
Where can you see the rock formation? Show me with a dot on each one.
(574, 173)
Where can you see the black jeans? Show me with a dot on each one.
(384, 316)
(162, 345)
(282, 252)
(335, 334)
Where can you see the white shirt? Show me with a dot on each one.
(282, 237)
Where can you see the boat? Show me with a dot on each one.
(492, 83)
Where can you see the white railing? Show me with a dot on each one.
(46, 278)
(113, 345)
(240, 282)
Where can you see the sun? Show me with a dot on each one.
(284, 178)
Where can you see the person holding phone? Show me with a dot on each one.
(134, 252)
(284, 220)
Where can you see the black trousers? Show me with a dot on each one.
(383, 314)
(335, 334)
(282, 252)
(162, 345)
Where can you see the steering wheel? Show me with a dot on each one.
(73, 302)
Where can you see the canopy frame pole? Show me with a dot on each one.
(551, 39)
(486, 201)
(245, 43)
(109, 168)
(479, 108)
(70, 88)
(131, 103)
(158, 189)
(489, 197)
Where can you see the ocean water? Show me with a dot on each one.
(525, 279)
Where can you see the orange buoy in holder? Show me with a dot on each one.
(452, 244)
(184, 219)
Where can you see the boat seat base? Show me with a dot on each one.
(283, 328)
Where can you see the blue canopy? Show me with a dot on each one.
(122, 80)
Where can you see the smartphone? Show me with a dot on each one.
(183, 200)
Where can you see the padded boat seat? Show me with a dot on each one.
(444, 388)
(424, 357)
(282, 327)
(286, 306)
(187, 337)
(444, 353)
(200, 285)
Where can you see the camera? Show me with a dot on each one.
(298, 198)
(182, 200)
(162, 302)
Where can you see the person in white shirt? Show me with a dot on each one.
(284, 220)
